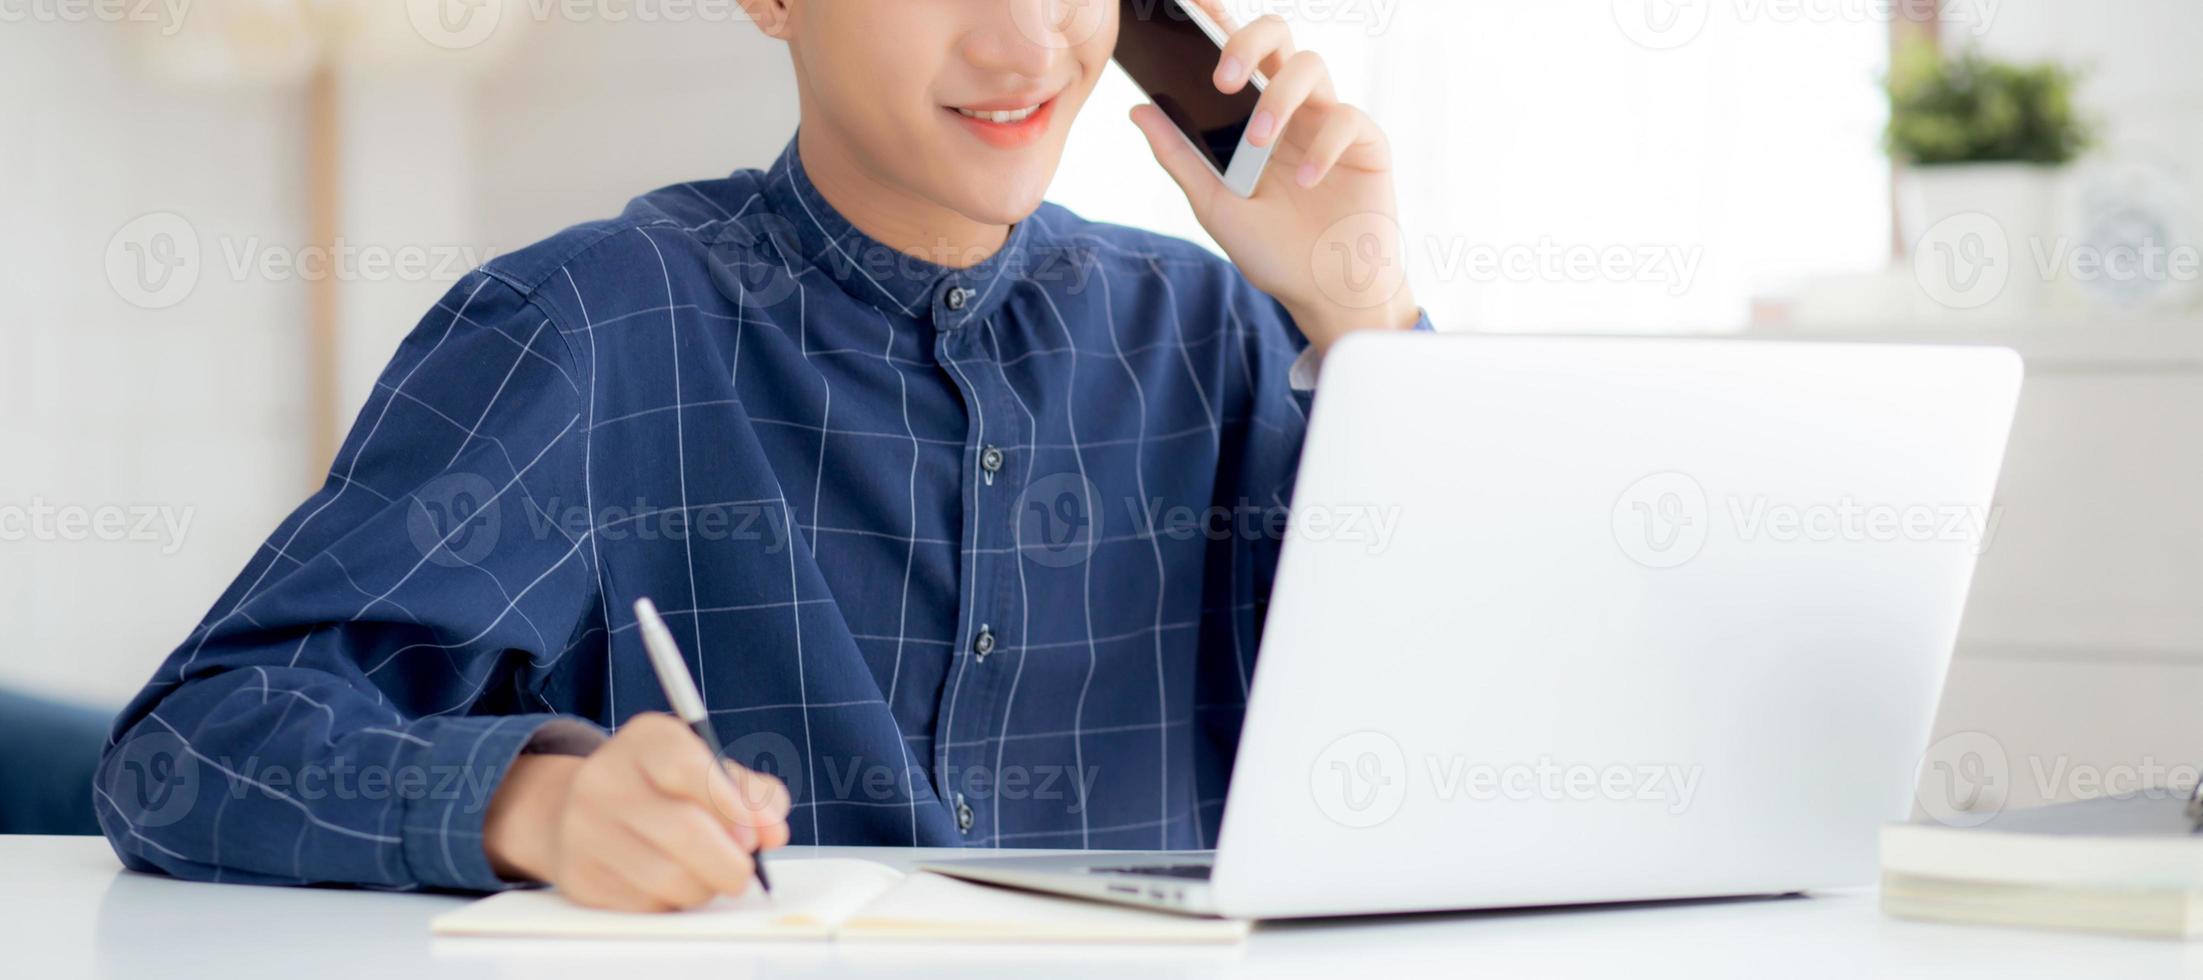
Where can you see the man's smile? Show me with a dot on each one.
(1009, 123)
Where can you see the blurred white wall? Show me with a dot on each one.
(193, 411)
(2083, 655)
(188, 415)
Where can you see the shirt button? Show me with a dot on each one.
(983, 644)
(991, 460)
(958, 297)
(964, 817)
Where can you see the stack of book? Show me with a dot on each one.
(2130, 864)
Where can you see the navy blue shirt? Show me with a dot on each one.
(967, 556)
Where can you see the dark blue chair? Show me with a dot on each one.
(48, 754)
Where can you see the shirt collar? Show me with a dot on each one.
(891, 280)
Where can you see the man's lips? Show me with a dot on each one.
(1007, 123)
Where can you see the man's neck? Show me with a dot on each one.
(892, 216)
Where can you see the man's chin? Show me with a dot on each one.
(1000, 209)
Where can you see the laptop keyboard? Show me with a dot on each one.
(1196, 872)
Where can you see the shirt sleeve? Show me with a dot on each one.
(352, 701)
(1310, 362)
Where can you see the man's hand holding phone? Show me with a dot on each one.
(1321, 234)
(649, 822)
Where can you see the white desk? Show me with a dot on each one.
(67, 910)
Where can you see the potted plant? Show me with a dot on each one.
(1979, 136)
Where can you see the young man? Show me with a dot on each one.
(923, 472)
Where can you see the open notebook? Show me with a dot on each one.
(841, 898)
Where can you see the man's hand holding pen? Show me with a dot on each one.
(651, 821)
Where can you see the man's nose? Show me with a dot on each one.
(1028, 41)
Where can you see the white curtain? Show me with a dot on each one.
(1586, 164)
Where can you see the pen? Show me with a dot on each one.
(680, 690)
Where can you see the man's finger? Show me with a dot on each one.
(680, 765)
(696, 839)
(1179, 158)
(621, 846)
(1265, 44)
(763, 800)
(1306, 79)
(597, 885)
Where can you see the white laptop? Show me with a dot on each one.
(1656, 619)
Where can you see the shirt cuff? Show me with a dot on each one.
(565, 736)
(1310, 361)
(446, 782)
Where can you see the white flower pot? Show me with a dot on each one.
(1977, 234)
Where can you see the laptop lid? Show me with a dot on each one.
(1583, 620)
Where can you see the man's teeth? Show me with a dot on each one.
(1012, 116)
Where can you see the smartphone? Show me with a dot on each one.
(1171, 48)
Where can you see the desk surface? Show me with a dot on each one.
(68, 910)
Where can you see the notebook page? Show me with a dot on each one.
(927, 906)
(810, 897)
